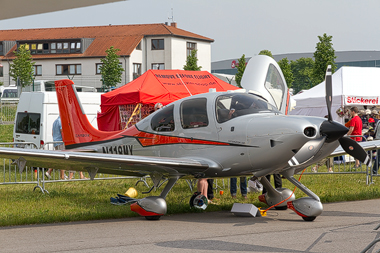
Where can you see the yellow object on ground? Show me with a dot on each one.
(263, 212)
(131, 192)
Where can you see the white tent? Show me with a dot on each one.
(352, 86)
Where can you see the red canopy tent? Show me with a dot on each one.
(155, 86)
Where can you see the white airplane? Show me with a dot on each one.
(211, 135)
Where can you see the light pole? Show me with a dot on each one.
(311, 84)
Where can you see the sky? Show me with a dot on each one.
(238, 27)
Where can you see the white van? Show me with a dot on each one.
(8, 92)
(37, 111)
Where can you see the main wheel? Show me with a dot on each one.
(310, 218)
(155, 217)
(281, 207)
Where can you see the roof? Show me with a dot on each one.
(341, 57)
(124, 37)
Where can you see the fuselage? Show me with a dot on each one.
(233, 141)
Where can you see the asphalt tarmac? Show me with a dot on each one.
(342, 227)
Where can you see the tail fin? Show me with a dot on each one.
(76, 128)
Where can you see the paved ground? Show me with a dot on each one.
(342, 227)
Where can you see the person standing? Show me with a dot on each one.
(57, 137)
(356, 127)
(243, 186)
(202, 186)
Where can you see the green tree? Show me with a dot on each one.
(111, 70)
(191, 61)
(324, 55)
(302, 70)
(240, 70)
(287, 71)
(266, 52)
(22, 66)
(303, 74)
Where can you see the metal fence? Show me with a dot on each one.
(8, 109)
(36, 175)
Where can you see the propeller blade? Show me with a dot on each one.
(307, 152)
(328, 84)
(354, 149)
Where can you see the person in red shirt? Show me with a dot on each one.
(356, 127)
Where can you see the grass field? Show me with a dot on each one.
(6, 133)
(90, 200)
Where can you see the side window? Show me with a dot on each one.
(194, 113)
(163, 120)
(28, 123)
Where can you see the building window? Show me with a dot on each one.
(39, 48)
(98, 68)
(158, 66)
(78, 69)
(45, 48)
(69, 69)
(53, 48)
(66, 47)
(78, 48)
(1, 70)
(33, 48)
(158, 44)
(139, 46)
(37, 70)
(136, 70)
(59, 48)
(72, 47)
(1, 49)
(190, 47)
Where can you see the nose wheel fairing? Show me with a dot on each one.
(275, 196)
(153, 207)
(308, 207)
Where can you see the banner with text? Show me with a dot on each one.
(361, 100)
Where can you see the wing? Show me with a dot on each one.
(104, 163)
(367, 145)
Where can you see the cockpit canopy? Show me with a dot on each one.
(194, 113)
(229, 106)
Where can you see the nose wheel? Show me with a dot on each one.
(154, 217)
(311, 218)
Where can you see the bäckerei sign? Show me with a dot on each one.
(361, 100)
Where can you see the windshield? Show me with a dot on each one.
(230, 106)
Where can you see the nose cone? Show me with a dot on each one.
(333, 130)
